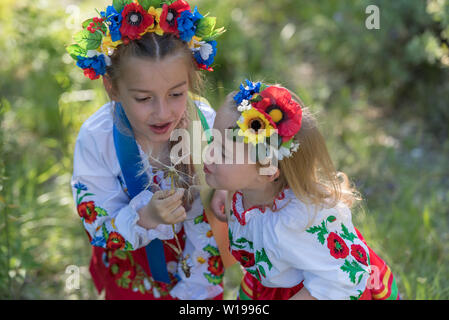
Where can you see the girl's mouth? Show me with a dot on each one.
(206, 170)
(160, 128)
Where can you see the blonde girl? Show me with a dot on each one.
(290, 227)
(137, 207)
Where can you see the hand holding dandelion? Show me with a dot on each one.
(165, 207)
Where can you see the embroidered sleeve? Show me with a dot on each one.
(108, 216)
(206, 269)
(334, 261)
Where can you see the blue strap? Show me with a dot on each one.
(130, 164)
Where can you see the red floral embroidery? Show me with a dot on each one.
(216, 266)
(359, 254)
(337, 246)
(87, 211)
(205, 217)
(115, 241)
(119, 266)
(245, 258)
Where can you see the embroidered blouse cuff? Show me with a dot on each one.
(138, 236)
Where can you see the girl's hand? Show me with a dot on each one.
(165, 207)
(217, 204)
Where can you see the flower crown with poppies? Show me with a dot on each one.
(267, 113)
(127, 20)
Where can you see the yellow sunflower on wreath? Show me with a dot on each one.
(255, 126)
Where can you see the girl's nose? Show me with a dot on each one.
(161, 110)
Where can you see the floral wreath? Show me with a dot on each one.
(127, 20)
(267, 113)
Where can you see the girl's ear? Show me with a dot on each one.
(107, 83)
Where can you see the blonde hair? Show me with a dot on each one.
(310, 172)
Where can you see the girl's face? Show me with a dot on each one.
(237, 175)
(154, 96)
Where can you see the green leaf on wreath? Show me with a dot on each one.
(205, 27)
(215, 34)
(331, 219)
(87, 22)
(76, 51)
(87, 40)
(120, 4)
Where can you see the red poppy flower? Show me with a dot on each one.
(115, 241)
(337, 246)
(119, 266)
(170, 15)
(87, 211)
(215, 265)
(359, 254)
(91, 74)
(282, 109)
(135, 21)
(245, 258)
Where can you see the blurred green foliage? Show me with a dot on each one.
(380, 97)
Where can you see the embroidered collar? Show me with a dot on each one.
(241, 214)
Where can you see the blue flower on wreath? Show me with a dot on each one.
(187, 24)
(80, 186)
(246, 92)
(200, 56)
(115, 21)
(97, 63)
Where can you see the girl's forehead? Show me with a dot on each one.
(225, 119)
(146, 74)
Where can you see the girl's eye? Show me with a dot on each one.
(178, 94)
(143, 99)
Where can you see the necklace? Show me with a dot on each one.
(178, 249)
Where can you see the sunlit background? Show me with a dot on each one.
(381, 97)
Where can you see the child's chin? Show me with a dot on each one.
(211, 181)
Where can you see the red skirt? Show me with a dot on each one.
(252, 289)
(125, 275)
